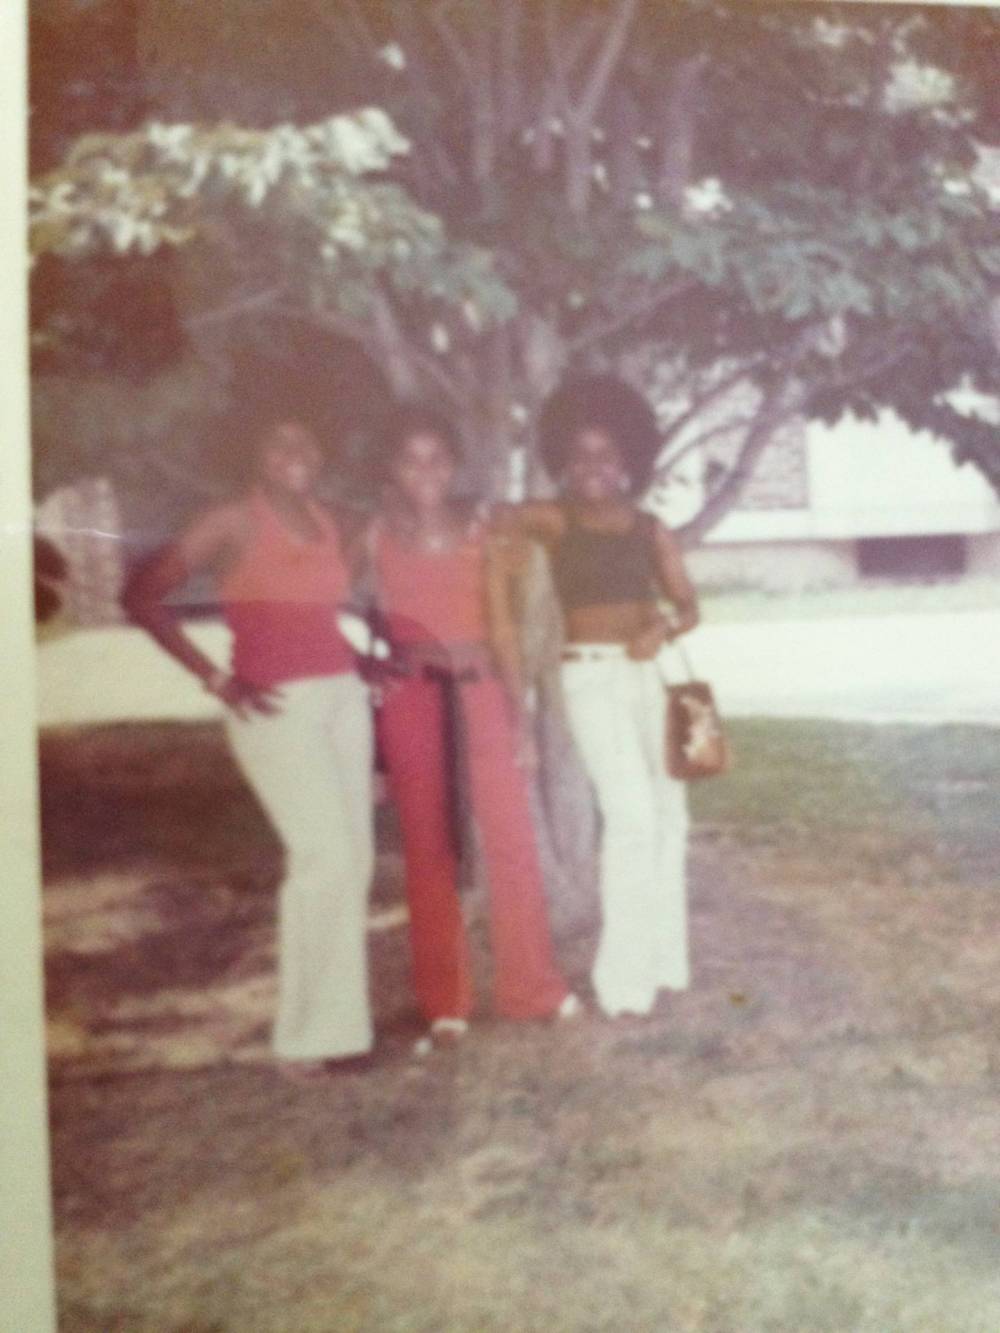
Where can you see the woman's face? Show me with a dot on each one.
(289, 458)
(595, 469)
(423, 470)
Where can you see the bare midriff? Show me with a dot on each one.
(617, 622)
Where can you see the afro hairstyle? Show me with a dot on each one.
(600, 402)
(404, 422)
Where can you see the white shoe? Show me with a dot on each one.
(449, 1029)
(443, 1032)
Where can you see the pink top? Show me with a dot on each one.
(281, 598)
(433, 596)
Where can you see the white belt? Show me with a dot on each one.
(594, 652)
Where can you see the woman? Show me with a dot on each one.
(298, 721)
(442, 607)
(613, 566)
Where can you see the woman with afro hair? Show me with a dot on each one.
(624, 593)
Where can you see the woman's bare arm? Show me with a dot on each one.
(501, 571)
(501, 619)
(677, 587)
(541, 520)
(676, 582)
(212, 537)
(165, 572)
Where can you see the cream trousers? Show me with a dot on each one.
(311, 768)
(617, 713)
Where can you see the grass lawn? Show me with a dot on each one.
(886, 803)
(806, 1141)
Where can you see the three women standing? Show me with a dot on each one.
(298, 716)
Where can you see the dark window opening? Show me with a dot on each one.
(937, 557)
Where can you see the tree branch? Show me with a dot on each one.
(565, 49)
(640, 308)
(510, 92)
(880, 74)
(484, 112)
(625, 162)
(973, 440)
(405, 357)
(190, 477)
(677, 152)
(699, 441)
(382, 338)
(242, 305)
(869, 365)
(423, 84)
(351, 18)
(449, 37)
(711, 395)
(564, 52)
(773, 412)
(607, 59)
(579, 115)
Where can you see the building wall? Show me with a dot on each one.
(865, 479)
(984, 554)
(774, 566)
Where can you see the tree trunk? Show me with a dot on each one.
(578, 169)
(395, 362)
(510, 94)
(565, 812)
(484, 113)
(625, 163)
(679, 121)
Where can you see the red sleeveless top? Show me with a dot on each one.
(432, 596)
(281, 598)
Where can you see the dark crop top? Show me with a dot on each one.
(592, 568)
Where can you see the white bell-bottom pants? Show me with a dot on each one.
(617, 711)
(311, 767)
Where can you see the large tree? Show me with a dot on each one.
(757, 211)
(761, 211)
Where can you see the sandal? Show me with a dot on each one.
(443, 1032)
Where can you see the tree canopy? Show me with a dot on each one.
(756, 211)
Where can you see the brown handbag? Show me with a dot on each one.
(696, 742)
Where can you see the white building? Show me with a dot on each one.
(829, 506)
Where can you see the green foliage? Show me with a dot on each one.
(227, 187)
(789, 188)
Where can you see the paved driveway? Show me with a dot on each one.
(925, 667)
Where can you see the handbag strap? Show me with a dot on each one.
(682, 652)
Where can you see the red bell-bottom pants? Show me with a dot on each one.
(412, 722)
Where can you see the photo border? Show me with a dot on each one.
(26, 1244)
